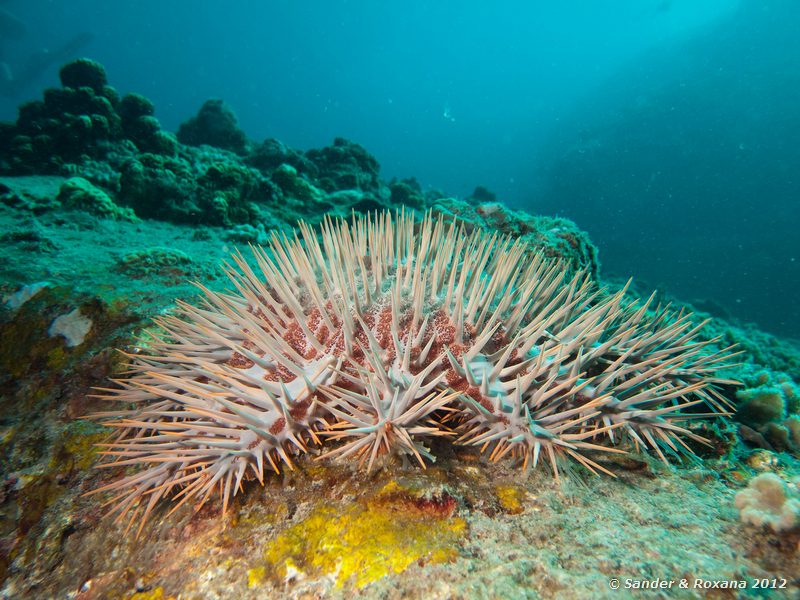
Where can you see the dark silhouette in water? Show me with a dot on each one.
(13, 81)
(40, 61)
(683, 169)
(10, 26)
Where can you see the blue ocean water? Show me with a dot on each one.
(668, 129)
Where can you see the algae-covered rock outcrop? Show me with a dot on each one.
(209, 174)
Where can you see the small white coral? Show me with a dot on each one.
(23, 294)
(73, 326)
(767, 501)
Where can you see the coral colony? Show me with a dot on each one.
(387, 333)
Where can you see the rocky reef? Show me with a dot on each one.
(208, 174)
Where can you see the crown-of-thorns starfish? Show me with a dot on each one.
(384, 333)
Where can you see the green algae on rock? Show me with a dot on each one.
(78, 193)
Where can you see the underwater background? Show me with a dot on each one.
(667, 129)
(658, 140)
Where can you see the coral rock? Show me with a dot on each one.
(83, 72)
(215, 125)
(767, 503)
